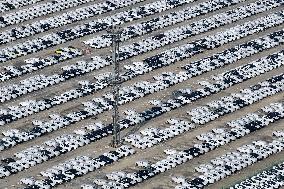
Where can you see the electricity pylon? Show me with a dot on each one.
(115, 82)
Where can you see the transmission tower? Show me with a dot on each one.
(115, 82)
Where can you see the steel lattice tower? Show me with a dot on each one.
(115, 82)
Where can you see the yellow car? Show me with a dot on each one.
(58, 51)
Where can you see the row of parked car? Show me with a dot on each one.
(231, 162)
(33, 64)
(29, 107)
(37, 11)
(125, 179)
(182, 52)
(7, 5)
(28, 85)
(234, 54)
(252, 69)
(271, 178)
(137, 90)
(239, 123)
(153, 136)
(228, 104)
(62, 19)
(40, 81)
(171, 56)
(215, 61)
(71, 33)
(203, 25)
(243, 126)
(76, 167)
(159, 22)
